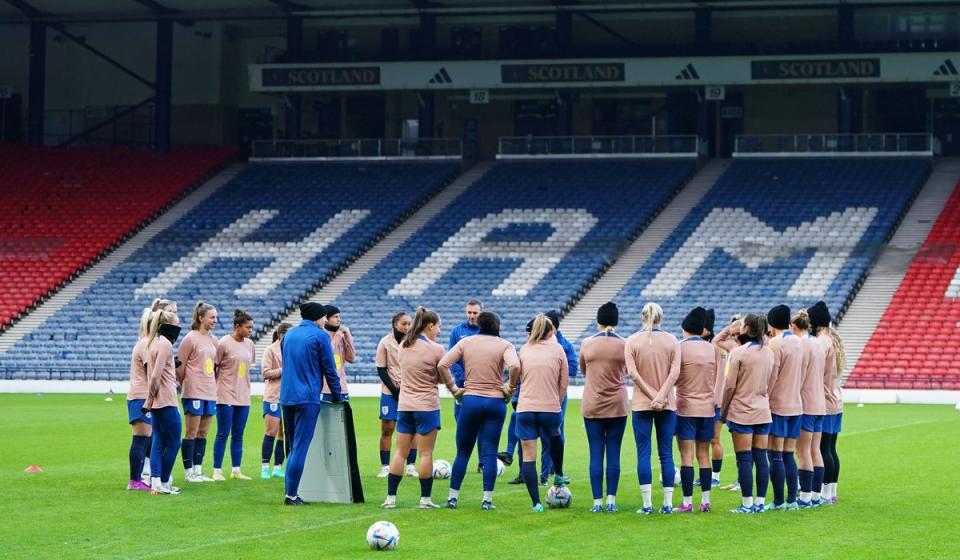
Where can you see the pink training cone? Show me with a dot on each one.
(32, 469)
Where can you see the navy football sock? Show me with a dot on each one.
(199, 450)
(186, 453)
(763, 471)
(745, 472)
(411, 457)
(266, 448)
(817, 480)
(790, 466)
(137, 455)
(426, 487)
(705, 481)
(385, 457)
(686, 481)
(717, 465)
(556, 453)
(279, 454)
(806, 480)
(393, 482)
(777, 475)
(528, 469)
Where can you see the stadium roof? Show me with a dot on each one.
(21, 11)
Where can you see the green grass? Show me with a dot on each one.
(898, 490)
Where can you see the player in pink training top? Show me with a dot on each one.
(236, 355)
(543, 378)
(604, 406)
(695, 410)
(271, 366)
(814, 408)
(419, 406)
(388, 368)
(785, 408)
(746, 406)
(161, 399)
(196, 372)
(653, 362)
(835, 361)
(343, 350)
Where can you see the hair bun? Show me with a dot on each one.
(803, 312)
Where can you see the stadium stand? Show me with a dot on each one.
(916, 344)
(263, 241)
(776, 231)
(526, 237)
(65, 208)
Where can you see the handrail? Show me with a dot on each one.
(601, 146)
(355, 148)
(834, 145)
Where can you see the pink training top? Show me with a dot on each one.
(698, 377)
(749, 371)
(831, 377)
(544, 376)
(418, 367)
(785, 391)
(812, 389)
(653, 362)
(163, 374)
(343, 351)
(139, 384)
(388, 356)
(720, 379)
(235, 360)
(271, 366)
(484, 359)
(605, 370)
(198, 356)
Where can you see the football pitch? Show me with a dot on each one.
(898, 491)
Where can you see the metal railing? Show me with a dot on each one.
(356, 148)
(512, 147)
(827, 145)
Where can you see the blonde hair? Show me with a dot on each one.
(541, 330)
(801, 320)
(840, 353)
(423, 318)
(651, 316)
(199, 310)
(158, 304)
(608, 329)
(158, 318)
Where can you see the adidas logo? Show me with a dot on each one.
(688, 73)
(946, 69)
(441, 77)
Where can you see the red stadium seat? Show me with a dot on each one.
(917, 341)
(66, 207)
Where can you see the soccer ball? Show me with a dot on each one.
(441, 469)
(501, 468)
(383, 535)
(559, 497)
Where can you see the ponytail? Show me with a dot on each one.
(158, 318)
(756, 327)
(199, 311)
(145, 322)
(840, 353)
(541, 330)
(652, 317)
(609, 330)
(423, 318)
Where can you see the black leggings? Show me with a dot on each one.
(831, 461)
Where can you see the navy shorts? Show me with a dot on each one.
(755, 429)
(135, 414)
(811, 423)
(785, 426)
(420, 422)
(695, 428)
(832, 423)
(327, 397)
(271, 409)
(534, 425)
(388, 408)
(199, 407)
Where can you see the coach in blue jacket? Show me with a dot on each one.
(461, 331)
(307, 361)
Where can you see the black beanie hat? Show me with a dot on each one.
(779, 317)
(554, 317)
(694, 321)
(710, 320)
(312, 311)
(331, 310)
(608, 314)
(530, 326)
(819, 315)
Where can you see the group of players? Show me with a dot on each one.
(774, 380)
